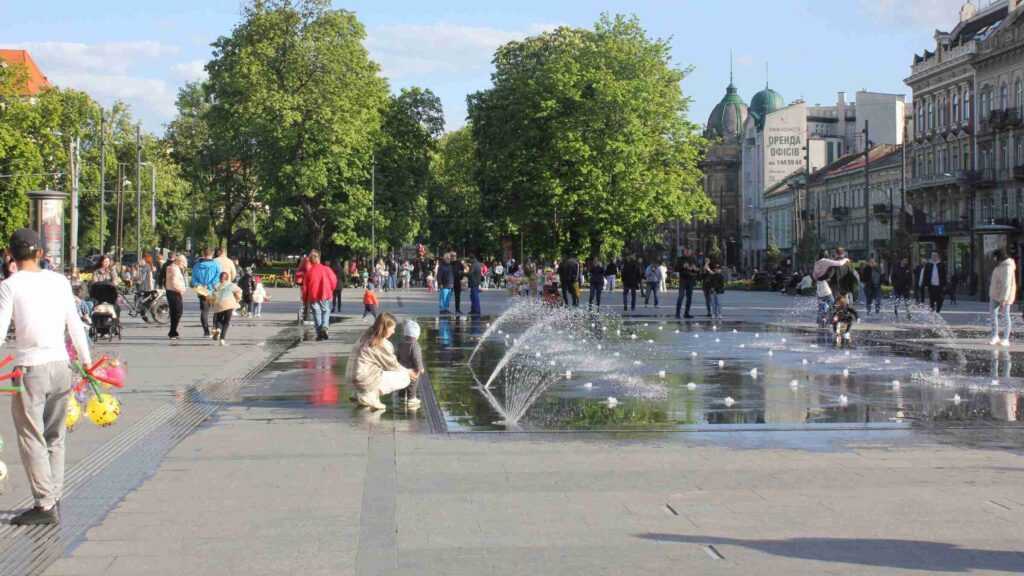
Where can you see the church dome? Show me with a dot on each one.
(727, 119)
(764, 103)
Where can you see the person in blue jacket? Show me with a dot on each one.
(205, 275)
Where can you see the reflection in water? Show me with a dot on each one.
(324, 381)
(802, 380)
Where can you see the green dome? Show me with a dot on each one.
(727, 119)
(765, 102)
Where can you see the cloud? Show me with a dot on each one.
(413, 50)
(150, 98)
(190, 71)
(939, 14)
(109, 57)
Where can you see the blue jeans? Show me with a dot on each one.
(1004, 311)
(652, 288)
(824, 303)
(321, 310)
(716, 306)
(444, 297)
(474, 300)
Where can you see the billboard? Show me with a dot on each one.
(785, 133)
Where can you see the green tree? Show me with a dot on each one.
(301, 99)
(454, 205)
(583, 139)
(808, 248)
(411, 125)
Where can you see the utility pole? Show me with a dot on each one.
(138, 192)
(103, 184)
(75, 159)
(867, 191)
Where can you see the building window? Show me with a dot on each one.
(1003, 97)
(1019, 99)
(956, 108)
(1019, 151)
(920, 119)
(967, 105)
(1002, 161)
(1020, 202)
(931, 114)
(1006, 204)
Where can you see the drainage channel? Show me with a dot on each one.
(95, 487)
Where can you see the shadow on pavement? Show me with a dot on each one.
(904, 554)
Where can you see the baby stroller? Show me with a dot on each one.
(106, 315)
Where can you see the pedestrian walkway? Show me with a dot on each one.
(289, 477)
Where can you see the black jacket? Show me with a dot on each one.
(632, 275)
(926, 280)
(475, 274)
(458, 273)
(569, 271)
(597, 274)
(902, 280)
(445, 278)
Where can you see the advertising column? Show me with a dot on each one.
(46, 210)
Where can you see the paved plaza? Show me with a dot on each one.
(218, 466)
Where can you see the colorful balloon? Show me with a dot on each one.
(103, 409)
(74, 413)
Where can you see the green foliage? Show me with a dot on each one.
(773, 255)
(296, 94)
(807, 249)
(454, 205)
(411, 125)
(583, 139)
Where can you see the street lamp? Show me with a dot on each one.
(152, 202)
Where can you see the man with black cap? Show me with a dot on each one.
(42, 306)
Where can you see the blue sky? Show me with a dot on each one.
(142, 52)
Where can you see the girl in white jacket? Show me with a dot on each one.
(1002, 291)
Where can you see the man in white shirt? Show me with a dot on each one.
(43, 308)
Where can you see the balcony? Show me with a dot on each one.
(840, 213)
(962, 177)
(1013, 118)
(1018, 172)
(985, 178)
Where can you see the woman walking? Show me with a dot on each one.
(226, 298)
(375, 370)
(1001, 293)
(176, 287)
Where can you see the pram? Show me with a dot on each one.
(106, 315)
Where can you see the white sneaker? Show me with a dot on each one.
(994, 341)
(370, 400)
(223, 342)
(1005, 342)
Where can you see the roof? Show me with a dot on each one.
(979, 26)
(37, 81)
(764, 103)
(726, 120)
(855, 162)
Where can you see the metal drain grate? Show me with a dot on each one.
(94, 487)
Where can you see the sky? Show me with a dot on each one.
(143, 52)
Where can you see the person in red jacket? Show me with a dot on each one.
(318, 284)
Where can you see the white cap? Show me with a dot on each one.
(411, 329)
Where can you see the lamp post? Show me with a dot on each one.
(373, 209)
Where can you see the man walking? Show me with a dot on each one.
(476, 277)
(569, 277)
(205, 276)
(43, 308)
(902, 279)
(871, 278)
(631, 277)
(317, 288)
(445, 280)
(458, 273)
(934, 278)
(596, 283)
(687, 277)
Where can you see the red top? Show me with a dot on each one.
(369, 298)
(318, 283)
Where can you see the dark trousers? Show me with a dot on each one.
(626, 292)
(222, 320)
(204, 315)
(898, 298)
(336, 301)
(873, 294)
(595, 292)
(474, 300)
(707, 300)
(652, 289)
(176, 307)
(920, 294)
(936, 296)
(569, 292)
(458, 301)
(685, 293)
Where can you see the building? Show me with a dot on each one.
(836, 195)
(35, 81)
(780, 139)
(721, 169)
(999, 185)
